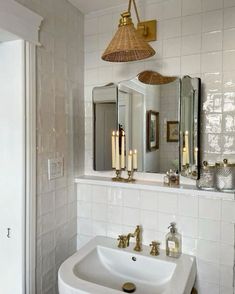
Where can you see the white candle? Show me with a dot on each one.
(129, 163)
(113, 150)
(196, 156)
(117, 160)
(135, 160)
(187, 146)
(184, 156)
(123, 150)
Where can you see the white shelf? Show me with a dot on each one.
(154, 186)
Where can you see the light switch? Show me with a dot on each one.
(55, 168)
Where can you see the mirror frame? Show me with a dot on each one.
(188, 171)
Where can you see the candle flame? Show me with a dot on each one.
(113, 133)
(135, 151)
(130, 152)
(184, 149)
(186, 132)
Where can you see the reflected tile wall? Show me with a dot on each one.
(60, 131)
(195, 38)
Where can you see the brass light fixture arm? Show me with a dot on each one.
(135, 7)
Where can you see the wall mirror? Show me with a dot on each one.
(189, 127)
(150, 116)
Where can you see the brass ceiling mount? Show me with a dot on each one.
(129, 43)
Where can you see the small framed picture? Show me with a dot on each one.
(172, 131)
(152, 130)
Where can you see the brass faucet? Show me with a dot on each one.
(136, 235)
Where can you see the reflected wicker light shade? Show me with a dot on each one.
(154, 78)
(127, 45)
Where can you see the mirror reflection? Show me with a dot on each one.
(105, 121)
(149, 116)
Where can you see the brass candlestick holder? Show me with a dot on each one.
(118, 177)
(130, 178)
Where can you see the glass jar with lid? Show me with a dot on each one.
(206, 179)
(225, 176)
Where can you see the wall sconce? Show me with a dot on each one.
(129, 43)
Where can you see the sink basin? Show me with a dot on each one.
(100, 267)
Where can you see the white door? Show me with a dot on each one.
(12, 167)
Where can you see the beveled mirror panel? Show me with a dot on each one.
(189, 127)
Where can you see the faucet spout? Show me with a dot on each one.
(137, 235)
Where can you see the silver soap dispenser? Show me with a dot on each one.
(173, 242)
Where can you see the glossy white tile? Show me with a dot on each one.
(188, 226)
(229, 3)
(209, 230)
(229, 39)
(208, 251)
(212, 41)
(131, 198)
(210, 209)
(229, 21)
(191, 24)
(212, 21)
(171, 47)
(191, 44)
(228, 211)
(131, 216)
(188, 205)
(207, 271)
(227, 233)
(168, 203)
(148, 219)
(148, 200)
(211, 62)
(191, 7)
(190, 64)
(208, 5)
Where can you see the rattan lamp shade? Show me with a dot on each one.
(127, 45)
(154, 78)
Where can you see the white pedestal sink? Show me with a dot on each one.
(100, 267)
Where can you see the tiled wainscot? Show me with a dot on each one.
(206, 221)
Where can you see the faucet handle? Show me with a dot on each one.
(155, 248)
(122, 241)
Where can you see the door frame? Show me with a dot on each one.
(30, 173)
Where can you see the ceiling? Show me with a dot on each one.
(87, 6)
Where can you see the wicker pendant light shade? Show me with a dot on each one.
(127, 44)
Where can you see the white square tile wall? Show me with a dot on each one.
(194, 38)
(207, 225)
(60, 115)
